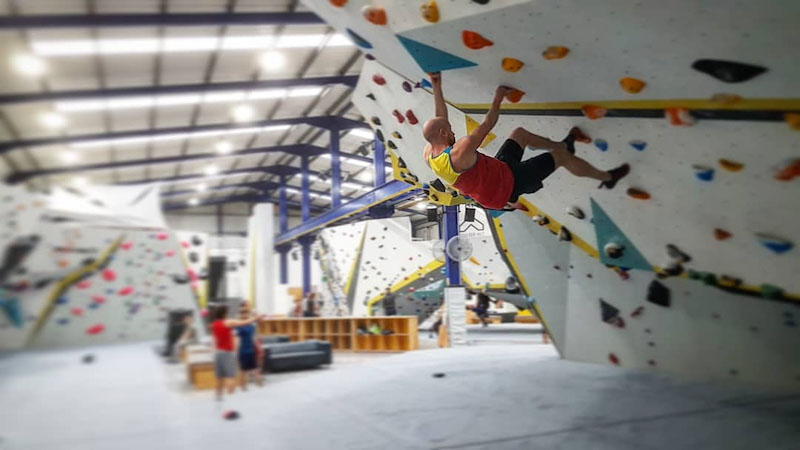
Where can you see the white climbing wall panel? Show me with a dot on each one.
(485, 266)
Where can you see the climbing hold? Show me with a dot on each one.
(729, 281)
(125, 291)
(771, 291)
(375, 121)
(610, 315)
(728, 71)
(638, 194)
(601, 144)
(379, 135)
(638, 144)
(725, 99)
(399, 116)
(564, 234)
(88, 358)
(790, 170)
(631, 85)
(424, 83)
(703, 173)
(575, 212)
(96, 329)
(230, 415)
(397, 135)
(512, 64)
(126, 245)
(84, 284)
(391, 145)
(338, 3)
(407, 86)
(76, 311)
(774, 243)
(730, 165)
(196, 241)
(514, 95)
(474, 40)
(677, 255)
(613, 250)
(374, 14)
(721, 234)
(162, 236)
(379, 80)
(98, 299)
(541, 220)
(555, 52)
(412, 119)
(430, 11)
(594, 112)
(613, 358)
(438, 375)
(793, 119)
(658, 294)
(431, 59)
(679, 116)
(371, 96)
(637, 312)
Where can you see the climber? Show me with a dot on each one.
(496, 183)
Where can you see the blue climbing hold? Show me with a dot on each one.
(774, 243)
(703, 173)
(638, 144)
(601, 144)
(431, 59)
(425, 83)
(94, 305)
(62, 300)
(62, 321)
(358, 40)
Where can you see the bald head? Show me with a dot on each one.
(438, 131)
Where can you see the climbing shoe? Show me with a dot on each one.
(575, 134)
(616, 174)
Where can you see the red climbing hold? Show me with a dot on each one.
(679, 116)
(338, 3)
(96, 329)
(638, 194)
(790, 171)
(84, 284)
(399, 116)
(77, 311)
(594, 112)
(374, 14)
(637, 312)
(162, 236)
(169, 253)
(474, 40)
(126, 245)
(556, 52)
(378, 79)
(99, 299)
(514, 95)
(109, 275)
(412, 119)
(721, 234)
(127, 290)
(613, 359)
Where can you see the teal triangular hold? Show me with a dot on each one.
(431, 59)
(607, 232)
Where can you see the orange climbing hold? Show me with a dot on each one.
(679, 117)
(793, 119)
(374, 14)
(594, 112)
(730, 165)
(514, 95)
(631, 85)
(638, 194)
(512, 64)
(721, 234)
(789, 172)
(338, 3)
(474, 40)
(430, 11)
(556, 52)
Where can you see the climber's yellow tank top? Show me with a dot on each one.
(443, 168)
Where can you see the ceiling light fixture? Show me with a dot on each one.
(271, 61)
(68, 157)
(28, 65)
(177, 136)
(223, 147)
(243, 113)
(201, 187)
(362, 133)
(53, 120)
(194, 201)
(211, 170)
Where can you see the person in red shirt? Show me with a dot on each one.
(496, 183)
(225, 364)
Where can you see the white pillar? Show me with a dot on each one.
(262, 235)
(455, 298)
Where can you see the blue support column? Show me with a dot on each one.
(450, 219)
(336, 172)
(305, 245)
(378, 164)
(305, 206)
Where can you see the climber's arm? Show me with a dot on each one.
(438, 95)
(479, 134)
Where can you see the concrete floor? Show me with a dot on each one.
(507, 397)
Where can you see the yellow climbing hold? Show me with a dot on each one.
(430, 11)
(474, 261)
(512, 64)
(793, 119)
(730, 165)
(557, 52)
(472, 124)
(631, 85)
(725, 99)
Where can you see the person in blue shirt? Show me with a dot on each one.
(249, 350)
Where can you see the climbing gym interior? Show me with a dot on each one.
(416, 224)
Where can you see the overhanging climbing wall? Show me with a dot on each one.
(700, 98)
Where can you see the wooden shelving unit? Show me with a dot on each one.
(343, 332)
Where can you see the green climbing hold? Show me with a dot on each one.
(771, 291)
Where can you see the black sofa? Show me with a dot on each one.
(274, 339)
(296, 355)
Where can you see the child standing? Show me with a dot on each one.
(224, 345)
(249, 349)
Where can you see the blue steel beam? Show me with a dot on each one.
(95, 94)
(18, 22)
(394, 191)
(298, 149)
(327, 122)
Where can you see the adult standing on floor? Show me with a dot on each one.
(388, 301)
(249, 349)
(224, 357)
(310, 305)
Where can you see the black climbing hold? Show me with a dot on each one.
(438, 375)
(379, 134)
(371, 96)
(676, 254)
(564, 235)
(230, 415)
(375, 121)
(728, 71)
(391, 145)
(658, 293)
(196, 240)
(610, 315)
(438, 185)
(194, 257)
(88, 358)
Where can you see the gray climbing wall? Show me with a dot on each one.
(700, 99)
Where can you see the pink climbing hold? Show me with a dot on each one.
(162, 236)
(77, 311)
(169, 253)
(109, 275)
(84, 284)
(126, 245)
(399, 116)
(127, 290)
(379, 80)
(185, 244)
(99, 299)
(96, 329)
(192, 275)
